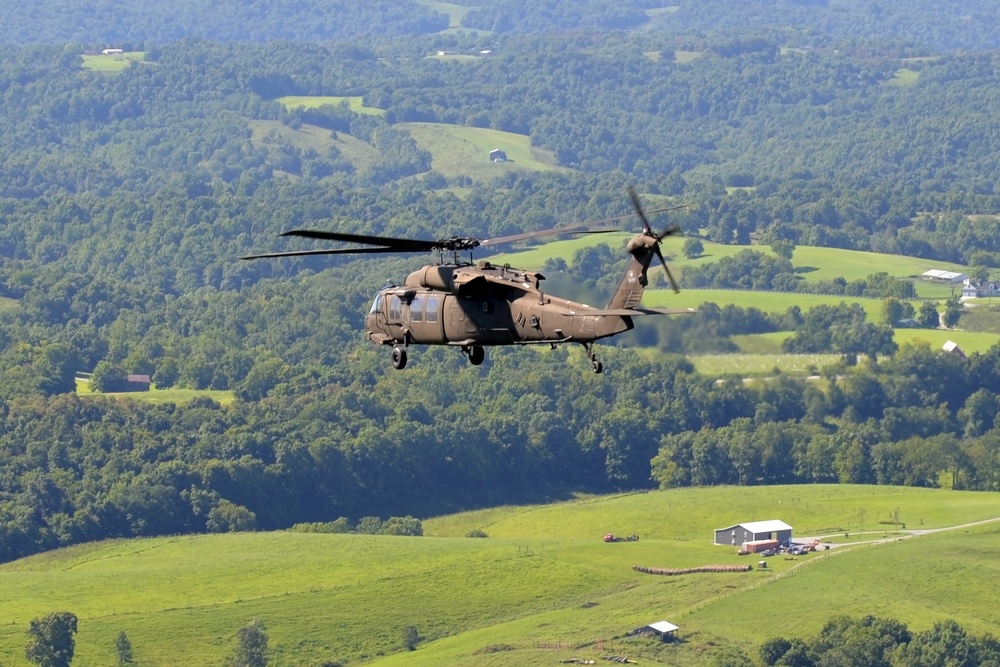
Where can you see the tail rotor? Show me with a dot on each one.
(657, 238)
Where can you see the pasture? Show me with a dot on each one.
(769, 302)
(542, 587)
(811, 262)
(112, 63)
(360, 154)
(464, 151)
(356, 102)
(455, 13)
(748, 364)
(176, 395)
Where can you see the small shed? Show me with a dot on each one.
(137, 383)
(497, 155)
(952, 347)
(773, 529)
(665, 630)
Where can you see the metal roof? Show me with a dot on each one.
(938, 274)
(663, 626)
(771, 526)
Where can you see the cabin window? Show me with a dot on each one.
(417, 309)
(377, 305)
(395, 309)
(431, 310)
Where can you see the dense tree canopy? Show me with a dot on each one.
(127, 197)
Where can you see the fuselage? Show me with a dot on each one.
(482, 305)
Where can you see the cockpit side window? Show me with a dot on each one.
(395, 309)
(431, 309)
(377, 305)
(417, 309)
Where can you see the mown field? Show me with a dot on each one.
(454, 12)
(159, 396)
(464, 151)
(112, 63)
(813, 263)
(541, 588)
(761, 353)
(356, 103)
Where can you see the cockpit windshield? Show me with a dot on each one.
(377, 306)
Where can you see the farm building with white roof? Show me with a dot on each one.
(753, 531)
(937, 275)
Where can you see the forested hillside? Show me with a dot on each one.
(939, 24)
(129, 191)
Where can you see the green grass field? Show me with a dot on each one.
(313, 101)
(160, 396)
(684, 57)
(970, 341)
(761, 353)
(457, 150)
(455, 12)
(542, 588)
(359, 153)
(770, 302)
(113, 63)
(905, 77)
(749, 365)
(813, 263)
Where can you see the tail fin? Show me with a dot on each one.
(629, 291)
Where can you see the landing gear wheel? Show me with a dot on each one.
(477, 355)
(595, 363)
(398, 358)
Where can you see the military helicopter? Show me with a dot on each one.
(473, 306)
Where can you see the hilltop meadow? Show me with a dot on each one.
(541, 587)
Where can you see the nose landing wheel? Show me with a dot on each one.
(398, 358)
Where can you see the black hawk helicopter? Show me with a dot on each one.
(472, 306)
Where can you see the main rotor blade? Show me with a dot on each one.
(638, 209)
(670, 276)
(410, 245)
(584, 228)
(329, 251)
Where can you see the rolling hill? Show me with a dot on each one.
(541, 588)
(464, 151)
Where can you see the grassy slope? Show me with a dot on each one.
(543, 577)
(762, 353)
(813, 263)
(359, 153)
(459, 150)
(454, 12)
(159, 396)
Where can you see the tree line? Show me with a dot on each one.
(351, 440)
